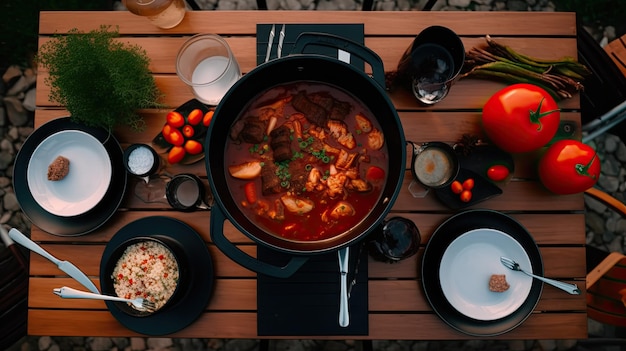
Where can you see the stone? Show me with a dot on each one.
(12, 73)
(608, 183)
(29, 100)
(595, 222)
(137, 344)
(16, 113)
(44, 343)
(10, 202)
(459, 3)
(100, 344)
(6, 159)
(158, 343)
(20, 86)
(611, 143)
(516, 5)
(3, 116)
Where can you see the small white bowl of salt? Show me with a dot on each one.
(141, 160)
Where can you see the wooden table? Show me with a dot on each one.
(397, 306)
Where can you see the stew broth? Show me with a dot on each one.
(306, 161)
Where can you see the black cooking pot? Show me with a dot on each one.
(300, 67)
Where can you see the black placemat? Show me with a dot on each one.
(352, 31)
(307, 303)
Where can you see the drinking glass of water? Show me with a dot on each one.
(432, 63)
(206, 63)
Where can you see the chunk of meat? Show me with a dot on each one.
(340, 132)
(270, 183)
(58, 169)
(253, 131)
(359, 185)
(498, 283)
(313, 112)
(375, 139)
(363, 123)
(336, 182)
(345, 159)
(280, 143)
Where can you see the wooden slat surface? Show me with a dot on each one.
(398, 308)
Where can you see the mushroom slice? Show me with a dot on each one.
(342, 209)
(297, 205)
(246, 170)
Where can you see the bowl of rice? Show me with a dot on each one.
(147, 267)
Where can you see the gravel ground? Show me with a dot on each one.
(605, 229)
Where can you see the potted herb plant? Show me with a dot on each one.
(101, 81)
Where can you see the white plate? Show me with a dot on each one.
(85, 184)
(467, 265)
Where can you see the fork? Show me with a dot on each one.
(512, 265)
(69, 293)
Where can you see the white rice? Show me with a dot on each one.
(146, 269)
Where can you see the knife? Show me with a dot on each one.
(270, 41)
(65, 266)
(344, 258)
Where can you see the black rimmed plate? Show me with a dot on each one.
(194, 296)
(75, 224)
(484, 235)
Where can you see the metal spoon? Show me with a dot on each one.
(344, 315)
(570, 288)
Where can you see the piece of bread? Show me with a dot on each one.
(498, 283)
(58, 169)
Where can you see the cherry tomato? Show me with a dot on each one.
(188, 131)
(468, 184)
(466, 196)
(521, 118)
(569, 167)
(497, 173)
(375, 173)
(206, 121)
(166, 131)
(176, 137)
(176, 154)
(195, 117)
(456, 187)
(193, 147)
(250, 191)
(175, 119)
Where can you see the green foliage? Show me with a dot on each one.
(100, 80)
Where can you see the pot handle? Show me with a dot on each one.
(338, 42)
(242, 258)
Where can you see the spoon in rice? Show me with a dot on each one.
(69, 293)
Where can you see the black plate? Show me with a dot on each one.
(85, 222)
(193, 299)
(451, 229)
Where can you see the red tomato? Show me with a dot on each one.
(166, 131)
(569, 167)
(375, 173)
(176, 137)
(206, 121)
(521, 118)
(193, 147)
(176, 154)
(468, 184)
(466, 196)
(456, 187)
(188, 131)
(195, 117)
(175, 119)
(250, 191)
(497, 173)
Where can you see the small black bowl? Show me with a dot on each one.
(107, 281)
(155, 164)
